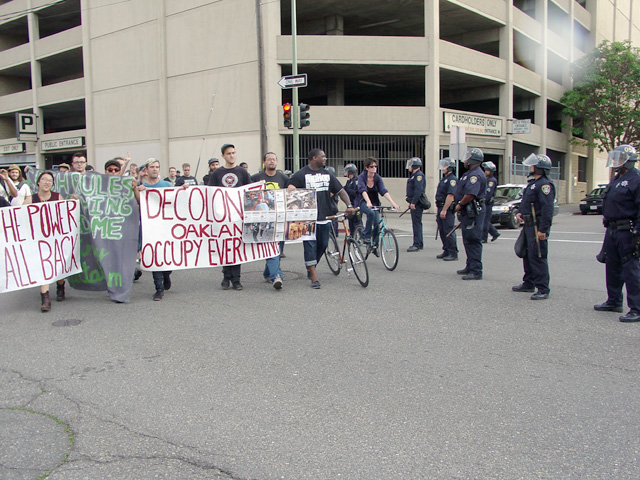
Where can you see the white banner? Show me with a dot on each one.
(197, 227)
(40, 244)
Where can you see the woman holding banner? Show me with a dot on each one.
(46, 194)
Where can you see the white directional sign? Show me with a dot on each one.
(292, 81)
(522, 126)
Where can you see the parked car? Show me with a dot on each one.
(593, 201)
(507, 202)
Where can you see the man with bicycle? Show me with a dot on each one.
(316, 177)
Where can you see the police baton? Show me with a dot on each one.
(454, 229)
(408, 208)
(535, 230)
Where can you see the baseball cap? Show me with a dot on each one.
(113, 161)
(213, 159)
(225, 146)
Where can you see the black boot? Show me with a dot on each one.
(46, 302)
(59, 292)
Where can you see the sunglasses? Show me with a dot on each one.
(113, 170)
(373, 166)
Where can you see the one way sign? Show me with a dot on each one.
(293, 81)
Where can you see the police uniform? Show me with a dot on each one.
(488, 227)
(473, 182)
(538, 195)
(447, 186)
(621, 215)
(416, 186)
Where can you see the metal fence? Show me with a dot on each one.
(391, 151)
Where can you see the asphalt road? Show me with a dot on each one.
(419, 376)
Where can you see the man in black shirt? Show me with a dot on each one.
(186, 178)
(230, 176)
(316, 177)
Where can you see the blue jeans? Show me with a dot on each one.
(314, 249)
(372, 227)
(272, 266)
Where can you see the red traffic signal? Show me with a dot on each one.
(286, 115)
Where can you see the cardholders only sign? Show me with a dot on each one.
(474, 124)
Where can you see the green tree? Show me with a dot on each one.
(605, 101)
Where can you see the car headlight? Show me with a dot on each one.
(501, 208)
(583, 202)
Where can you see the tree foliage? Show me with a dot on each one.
(605, 100)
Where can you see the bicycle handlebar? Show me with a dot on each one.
(340, 216)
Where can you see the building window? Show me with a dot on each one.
(392, 151)
(582, 169)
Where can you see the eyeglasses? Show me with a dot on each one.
(113, 170)
(79, 161)
(45, 180)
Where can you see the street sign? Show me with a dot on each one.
(521, 126)
(26, 127)
(293, 81)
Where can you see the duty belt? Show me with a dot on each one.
(626, 224)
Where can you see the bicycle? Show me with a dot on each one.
(387, 241)
(335, 259)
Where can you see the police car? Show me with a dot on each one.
(593, 201)
(506, 203)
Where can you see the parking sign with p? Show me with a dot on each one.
(26, 127)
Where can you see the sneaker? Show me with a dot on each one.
(495, 237)
(282, 255)
(158, 295)
(374, 250)
(412, 248)
(277, 282)
(237, 286)
(225, 284)
(315, 284)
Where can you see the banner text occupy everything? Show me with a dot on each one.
(196, 227)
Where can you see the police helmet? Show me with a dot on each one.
(331, 170)
(414, 162)
(446, 163)
(473, 156)
(539, 161)
(621, 155)
(350, 169)
(489, 166)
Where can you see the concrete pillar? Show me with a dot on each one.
(334, 25)
(506, 89)
(335, 93)
(432, 95)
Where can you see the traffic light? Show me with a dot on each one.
(304, 115)
(286, 114)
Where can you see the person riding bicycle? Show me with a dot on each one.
(370, 186)
(351, 187)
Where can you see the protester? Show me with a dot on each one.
(7, 188)
(24, 191)
(273, 180)
(79, 163)
(45, 193)
(214, 163)
(231, 176)
(244, 165)
(64, 167)
(186, 178)
(316, 177)
(172, 178)
(161, 280)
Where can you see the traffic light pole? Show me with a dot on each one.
(294, 70)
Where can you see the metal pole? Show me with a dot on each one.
(294, 70)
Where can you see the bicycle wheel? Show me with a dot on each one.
(332, 254)
(358, 263)
(388, 248)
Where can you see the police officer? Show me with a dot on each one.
(536, 210)
(492, 183)
(470, 207)
(445, 218)
(416, 186)
(621, 217)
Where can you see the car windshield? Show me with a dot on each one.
(596, 192)
(508, 192)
